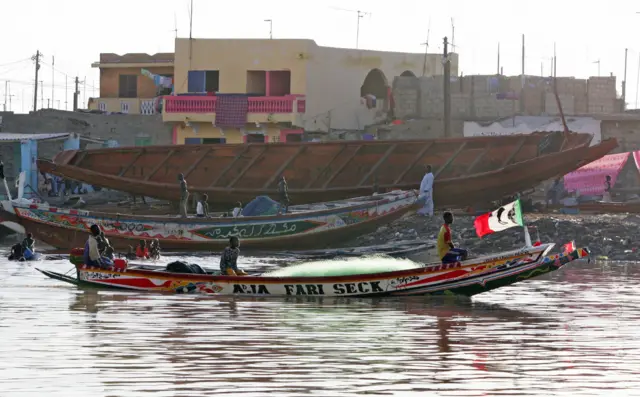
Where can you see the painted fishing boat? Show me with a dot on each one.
(601, 207)
(469, 278)
(467, 170)
(303, 227)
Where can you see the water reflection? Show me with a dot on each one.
(573, 333)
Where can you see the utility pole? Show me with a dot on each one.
(522, 79)
(84, 101)
(624, 82)
(53, 77)
(48, 104)
(270, 28)
(598, 62)
(35, 91)
(359, 14)
(76, 92)
(66, 92)
(498, 70)
(426, 50)
(453, 36)
(6, 92)
(447, 90)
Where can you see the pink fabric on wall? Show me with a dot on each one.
(636, 157)
(589, 180)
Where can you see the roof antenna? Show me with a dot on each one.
(175, 24)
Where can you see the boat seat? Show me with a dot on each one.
(184, 267)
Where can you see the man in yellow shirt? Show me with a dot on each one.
(447, 252)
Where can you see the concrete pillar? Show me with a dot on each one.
(28, 156)
(268, 83)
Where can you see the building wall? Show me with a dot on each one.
(330, 78)
(126, 129)
(110, 81)
(627, 132)
(232, 135)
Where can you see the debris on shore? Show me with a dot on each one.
(613, 237)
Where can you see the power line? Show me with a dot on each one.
(14, 62)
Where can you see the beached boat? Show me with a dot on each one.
(303, 227)
(467, 170)
(601, 207)
(469, 278)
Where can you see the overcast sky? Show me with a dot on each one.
(76, 32)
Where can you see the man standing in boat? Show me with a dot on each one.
(426, 193)
(184, 195)
(92, 255)
(606, 197)
(283, 193)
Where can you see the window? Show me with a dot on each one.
(128, 86)
(124, 107)
(102, 106)
(207, 141)
(204, 81)
(212, 81)
(279, 83)
(255, 138)
(257, 82)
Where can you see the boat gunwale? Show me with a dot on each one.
(540, 251)
(231, 220)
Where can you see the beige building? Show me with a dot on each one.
(282, 87)
(123, 86)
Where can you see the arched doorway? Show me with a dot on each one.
(375, 83)
(408, 73)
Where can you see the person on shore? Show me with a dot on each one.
(184, 195)
(426, 193)
(556, 192)
(92, 255)
(142, 251)
(606, 197)
(202, 209)
(447, 252)
(229, 259)
(154, 252)
(237, 211)
(283, 194)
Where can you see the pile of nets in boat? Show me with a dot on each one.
(345, 267)
(261, 206)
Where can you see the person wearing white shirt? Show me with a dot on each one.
(426, 193)
(202, 208)
(237, 211)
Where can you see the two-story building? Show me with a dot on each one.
(127, 84)
(262, 90)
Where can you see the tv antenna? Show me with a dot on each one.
(360, 14)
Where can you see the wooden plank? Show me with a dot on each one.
(284, 166)
(415, 160)
(247, 167)
(326, 167)
(125, 169)
(230, 165)
(80, 158)
(514, 152)
(450, 160)
(197, 162)
(479, 158)
(160, 164)
(378, 164)
(342, 167)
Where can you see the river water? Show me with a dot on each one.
(572, 333)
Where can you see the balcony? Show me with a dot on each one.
(124, 105)
(261, 109)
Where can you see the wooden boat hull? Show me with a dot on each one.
(464, 167)
(463, 278)
(65, 229)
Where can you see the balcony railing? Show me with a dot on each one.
(207, 104)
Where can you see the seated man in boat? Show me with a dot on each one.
(92, 255)
(131, 254)
(154, 252)
(237, 211)
(447, 252)
(142, 251)
(28, 245)
(105, 247)
(229, 259)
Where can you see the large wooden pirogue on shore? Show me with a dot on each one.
(467, 170)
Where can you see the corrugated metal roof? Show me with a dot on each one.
(10, 137)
